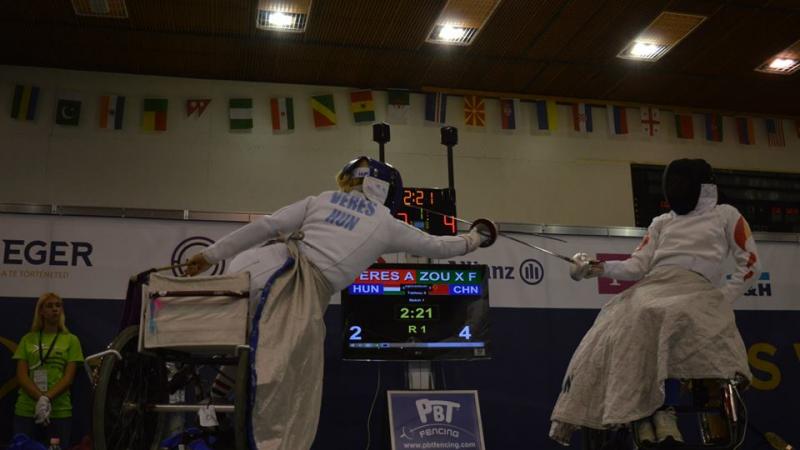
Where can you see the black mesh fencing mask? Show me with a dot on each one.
(682, 182)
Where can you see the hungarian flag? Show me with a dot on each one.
(282, 111)
(713, 127)
(362, 106)
(399, 105)
(775, 137)
(744, 129)
(435, 108)
(23, 107)
(154, 117)
(546, 115)
(508, 113)
(324, 110)
(474, 111)
(617, 120)
(684, 126)
(112, 111)
(240, 113)
(651, 120)
(197, 105)
(582, 118)
(68, 111)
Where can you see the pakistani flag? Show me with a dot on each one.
(241, 113)
(68, 112)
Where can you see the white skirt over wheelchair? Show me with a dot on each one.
(672, 324)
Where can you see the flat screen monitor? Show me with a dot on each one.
(417, 312)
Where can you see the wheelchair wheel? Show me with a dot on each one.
(125, 388)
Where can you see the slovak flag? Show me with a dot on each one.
(651, 120)
(582, 118)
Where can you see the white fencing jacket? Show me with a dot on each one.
(698, 241)
(344, 233)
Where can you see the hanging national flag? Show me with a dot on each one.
(684, 126)
(651, 120)
(282, 110)
(713, 127)
(324, 110)
(68, 111)
(744, 128)
(362, 106)
(435, 107)
(23, 107)
(240, 113)
(399, 105)
(154, 116)
(196, 104)
(508, 113)
(546, 115)
(797, 127)
(775, 137)
(474, 111)
(582, 117)
(617, 120)
(112, 111)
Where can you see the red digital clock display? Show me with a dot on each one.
(430, 209)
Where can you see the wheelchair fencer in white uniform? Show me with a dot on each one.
(327, 240)
(676, 322)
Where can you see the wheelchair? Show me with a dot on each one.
(152, 374)
(711, 412)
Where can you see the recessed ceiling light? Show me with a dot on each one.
(661, 36)
(283, 15)
(112, 9)
(460, 21)
(784, 63)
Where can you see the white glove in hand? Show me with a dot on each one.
(473, 238)
(584, 267)
(43, 409)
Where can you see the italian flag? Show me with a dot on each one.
(241, 113)
(282, 113)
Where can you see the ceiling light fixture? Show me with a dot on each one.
(460, 21)
(283, 15)
(661, 36)
(786, 62)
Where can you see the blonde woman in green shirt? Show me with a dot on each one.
(46, 363)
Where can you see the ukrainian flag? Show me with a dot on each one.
(24, 105)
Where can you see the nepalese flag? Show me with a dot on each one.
(744, 129)
(435, 107)
(324, 110)
(713, 127)
(23, 107)
(582, 117)
(154, 116)
(775, 137)
(684, 126)
(474, 111)
(197, 105)
(508, 113)
(240, 113)
(651, 120)
(362, 106)
(282, 111)
(398, 107)
(546, 115)
(112, 111)
(68, 111)
(617, 120)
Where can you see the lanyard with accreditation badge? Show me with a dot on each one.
(40, 372)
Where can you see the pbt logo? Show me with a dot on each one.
(441, 410)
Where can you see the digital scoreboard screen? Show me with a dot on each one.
(432, 210)
(417, 312)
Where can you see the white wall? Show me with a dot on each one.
(198, 164)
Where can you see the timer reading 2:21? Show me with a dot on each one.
(429, 209)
